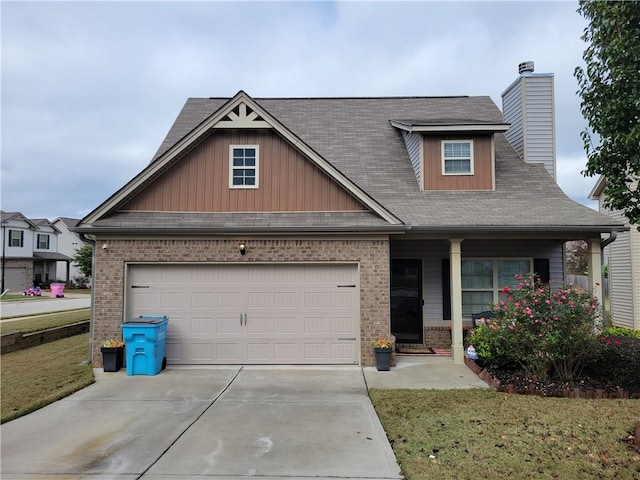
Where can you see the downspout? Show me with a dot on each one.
(92, 242)
(611, 239)
(604, 243)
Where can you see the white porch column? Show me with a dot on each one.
(595, 270)
(455, 260)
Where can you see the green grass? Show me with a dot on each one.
(478, 434)
(38, 376)
(18, 297)
(42, 322)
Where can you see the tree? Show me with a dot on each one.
(610, 93)
(83, 259)
(577, 257)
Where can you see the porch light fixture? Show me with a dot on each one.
(243, 248)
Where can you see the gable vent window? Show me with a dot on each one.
(457, 157)
(243, 166)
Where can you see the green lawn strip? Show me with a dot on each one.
(483, 434)
(18, 297)
(38, 376)
(42, 322)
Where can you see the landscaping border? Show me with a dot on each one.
(12, 342)
(577, 392)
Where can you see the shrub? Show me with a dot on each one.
(620, 332)
(545, 333)
(618, 360)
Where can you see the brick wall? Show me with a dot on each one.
(372, 256)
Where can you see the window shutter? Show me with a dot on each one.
(22, 238)
(541, 269)
(446, 289)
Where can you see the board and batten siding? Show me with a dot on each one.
(528, 105)
(412, 142)
(432, 252)
(482, 178)
(288, 181)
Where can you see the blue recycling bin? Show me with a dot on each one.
(145, 339)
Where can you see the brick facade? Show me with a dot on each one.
(371, 255)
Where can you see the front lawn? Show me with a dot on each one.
(44, 321)
(481, 434)
(35, 377)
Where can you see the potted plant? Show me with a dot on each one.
(112, 355)
(382, 350)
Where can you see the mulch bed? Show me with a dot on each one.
(514, 382)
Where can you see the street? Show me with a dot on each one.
(34, 307)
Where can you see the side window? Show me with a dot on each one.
(457, 157)
(243, 166)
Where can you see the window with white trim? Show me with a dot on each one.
(243, 166)
(43, 241)
(484, 279)
(457, 157)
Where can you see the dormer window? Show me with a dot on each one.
(243, 166)
(457, 157)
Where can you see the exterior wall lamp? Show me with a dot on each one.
(243, 248)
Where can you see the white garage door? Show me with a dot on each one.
(251, 314)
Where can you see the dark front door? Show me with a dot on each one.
(406, 300)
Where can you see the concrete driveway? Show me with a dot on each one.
(218, 421)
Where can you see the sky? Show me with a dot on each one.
(90, 89)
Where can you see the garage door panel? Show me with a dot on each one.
(260, 299)
(259, 314)
(204, 300)
(201, 351)
(342, 325)
(259, 325)
(228, 325)
(341, 300)
(203, 325)
(286, 300)
(228, 353)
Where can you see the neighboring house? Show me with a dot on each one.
(299, 230)
(68, 244)
(29, 251)
(623, 259)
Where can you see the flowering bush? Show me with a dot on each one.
(539, 331)
(113, 344)
(382, 343)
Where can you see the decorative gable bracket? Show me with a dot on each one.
(242, 116)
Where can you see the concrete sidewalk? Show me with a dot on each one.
(413, 371)
(217, 421)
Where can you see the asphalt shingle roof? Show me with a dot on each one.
(356, 136)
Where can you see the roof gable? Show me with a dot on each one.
(243, 112)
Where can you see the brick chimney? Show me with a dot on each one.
(528, 105)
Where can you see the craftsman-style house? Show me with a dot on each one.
(298, 230)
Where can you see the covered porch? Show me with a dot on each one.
(438, 283)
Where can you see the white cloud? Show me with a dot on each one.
(90, 89)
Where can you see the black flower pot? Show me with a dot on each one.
(383, 359)
(112, 358)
